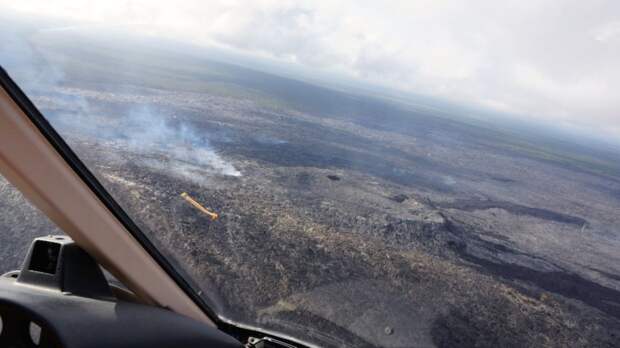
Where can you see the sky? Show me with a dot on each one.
(554, 61)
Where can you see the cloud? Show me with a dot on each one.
(553, 60)
(607, 32)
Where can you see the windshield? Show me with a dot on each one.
(418, 175)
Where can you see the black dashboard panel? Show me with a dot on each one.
(76, 322)
(63, 292)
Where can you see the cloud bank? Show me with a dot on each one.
(552, 60)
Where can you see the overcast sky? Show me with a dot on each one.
(557, 61)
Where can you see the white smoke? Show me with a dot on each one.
(150, 137)
(186, 150)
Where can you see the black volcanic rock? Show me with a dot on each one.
(401, 197)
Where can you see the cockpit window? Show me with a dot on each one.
(418, 194)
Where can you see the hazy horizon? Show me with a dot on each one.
(578, 122)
